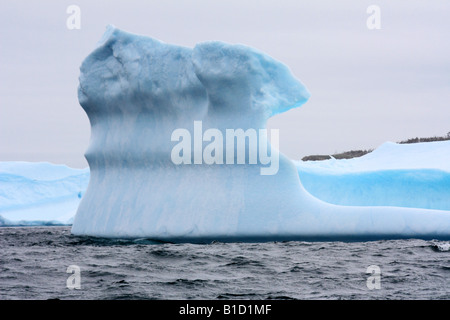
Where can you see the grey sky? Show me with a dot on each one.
(368, 86)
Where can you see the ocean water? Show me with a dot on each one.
(34, 264)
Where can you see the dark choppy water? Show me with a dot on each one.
(34, 261)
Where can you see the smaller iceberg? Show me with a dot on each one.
(40, 193)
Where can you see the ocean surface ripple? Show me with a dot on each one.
(34, 262)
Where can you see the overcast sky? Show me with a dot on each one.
(368, 86)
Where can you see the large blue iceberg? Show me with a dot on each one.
(138, 92)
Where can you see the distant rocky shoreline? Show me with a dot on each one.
(359, 153)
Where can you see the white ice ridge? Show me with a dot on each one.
(137, 90)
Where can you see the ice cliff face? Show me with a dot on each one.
(138, 91)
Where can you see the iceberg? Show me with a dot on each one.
(40, 193)
(138, 91)
(404, 175)
(413, 175)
